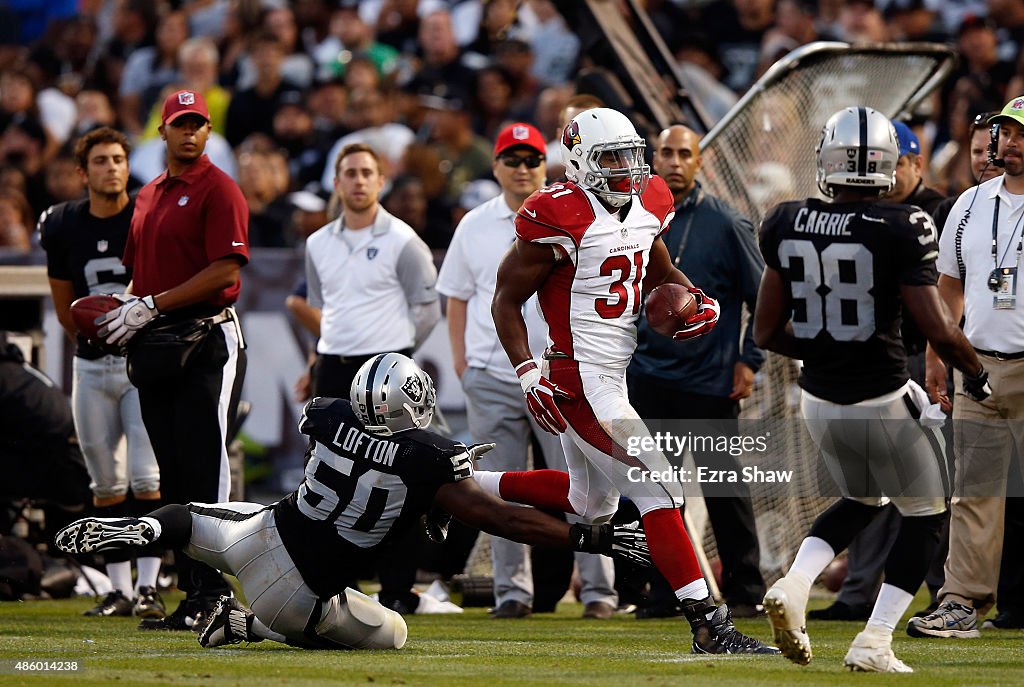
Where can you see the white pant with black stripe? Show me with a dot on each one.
(241, 539)
(878, 451)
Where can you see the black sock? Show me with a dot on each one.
(176, 524)
(842, 521)
(911, 554)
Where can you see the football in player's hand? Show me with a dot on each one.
(85, 310)
(668, 306)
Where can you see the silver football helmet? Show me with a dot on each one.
(391, 394)
(601, 151)
(858, 149)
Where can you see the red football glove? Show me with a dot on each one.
(540, 397)
(701, 322)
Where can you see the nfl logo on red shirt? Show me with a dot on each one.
(186, 98)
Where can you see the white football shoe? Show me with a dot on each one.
(871, 652)
(786, 604)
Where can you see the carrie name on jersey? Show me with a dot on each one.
(86, 250)
(591, 300)
(359, 491)
(844, 264)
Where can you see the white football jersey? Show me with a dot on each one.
(591, 301)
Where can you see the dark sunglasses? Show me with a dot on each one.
(513, 161)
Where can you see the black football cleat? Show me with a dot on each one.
(99, 534)
(230, 623)
(113, 604)
(717, 634)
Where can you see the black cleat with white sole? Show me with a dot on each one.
(99, 534)
(716, 634)
(230, 623)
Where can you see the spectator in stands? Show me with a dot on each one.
(149, 70)
(555, 47)
(371, 115)
(17, 95)
(351, 35)
(441, 63)
(737, 28)
(915, 20)
(240, 25)
(62, 182)
(978, 46)
(306, 148)
(360, 74)
(1008, 15)
(498, 22)
(328, 103)
(134, 22)
(21, 145)
(397, 23)
(573, 106)
(464, 155)
(861, 21)
(515, 56)
(252, 110)
(706, 379)
(297, 66)
(492, 102)
(93, 110)
(269, 213)
(197, 62)
(16, 221)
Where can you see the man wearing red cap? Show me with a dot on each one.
(187, 244)
(495, 405)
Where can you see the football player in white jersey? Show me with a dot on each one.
(589, 248)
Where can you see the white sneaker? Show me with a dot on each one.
(786, 603)
(871, 652)
(429, 605)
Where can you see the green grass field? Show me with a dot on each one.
(473, 649)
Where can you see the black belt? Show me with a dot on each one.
(359, 359)
(1001, 356)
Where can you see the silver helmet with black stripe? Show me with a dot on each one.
(390, 394)
(858, 149)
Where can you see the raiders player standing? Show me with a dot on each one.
(84, 240)
(837, 273)
(372, 472)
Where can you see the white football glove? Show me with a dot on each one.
(475, 451)
(118, 326)
(540, 395)
(701, 322)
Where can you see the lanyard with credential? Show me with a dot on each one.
(690, 206)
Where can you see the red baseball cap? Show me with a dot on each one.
(184, 102)
(520, 134)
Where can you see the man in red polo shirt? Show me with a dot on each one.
(187, 244)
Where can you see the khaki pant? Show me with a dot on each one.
(985, 436)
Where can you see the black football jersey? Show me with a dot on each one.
(86, 250)
(360, 490)
(843, 264)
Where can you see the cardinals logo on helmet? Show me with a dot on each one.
(571, 135)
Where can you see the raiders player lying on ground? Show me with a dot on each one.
(372, 472)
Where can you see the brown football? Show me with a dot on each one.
(85, 310)
(668, 306)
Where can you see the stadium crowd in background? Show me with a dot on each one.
(428, 83)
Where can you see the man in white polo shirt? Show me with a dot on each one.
(980, 278)
(370, 275)
(495, 406)
(371, 280)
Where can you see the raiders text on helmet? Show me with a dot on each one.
(602, 152)
(390, 394)
(858, 147)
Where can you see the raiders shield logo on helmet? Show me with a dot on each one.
(413, 388)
